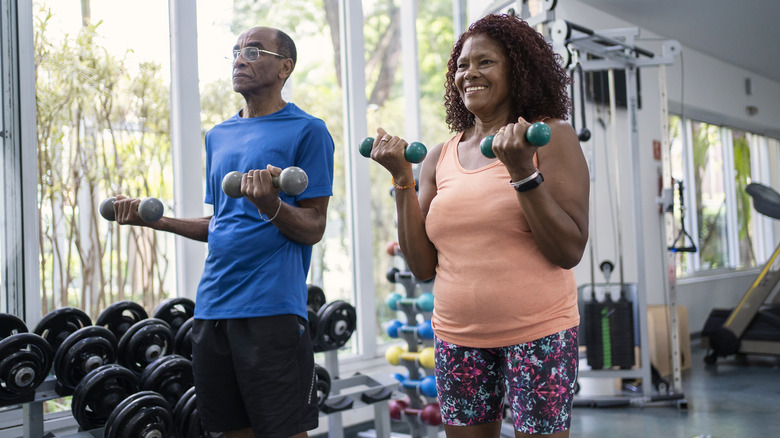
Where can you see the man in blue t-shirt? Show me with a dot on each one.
(252, 357)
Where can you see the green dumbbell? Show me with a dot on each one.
(414, 153)
(150, 209)
(293, 181)
(538, 134)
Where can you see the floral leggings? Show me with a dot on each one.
(536, 378)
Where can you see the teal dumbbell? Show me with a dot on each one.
(293, 181)
(414, 153)
(150, 209)
(538, 134)
(423, 303)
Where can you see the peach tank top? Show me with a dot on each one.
(493, 286)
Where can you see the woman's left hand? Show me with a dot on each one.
(514, 150)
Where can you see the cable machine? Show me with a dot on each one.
(608, 50)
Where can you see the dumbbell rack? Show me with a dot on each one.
(355, 392)
(417, 428)
(32, 414)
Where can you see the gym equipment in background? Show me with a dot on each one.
(335, 323)
(81, 352)
(186, 420)
(323, 384)
(314, 302)
(753, 326)
(182, 341)
(143, 414)
(418, 382)
(99, 392)
(25, 361)
(429, 414)
(175, 311)
(608, 327)
(60, 323)
(143, 343)
(120, 316)
(170, 376)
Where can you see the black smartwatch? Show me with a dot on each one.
(528, 183)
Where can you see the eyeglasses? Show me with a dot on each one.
(251, 54)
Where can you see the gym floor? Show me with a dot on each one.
(737, 397)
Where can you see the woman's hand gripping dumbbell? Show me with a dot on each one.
(413, 153)
(149, 209)
(537, 134)
(292, 181)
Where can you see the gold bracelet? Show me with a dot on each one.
(409, 186)
(275, 214)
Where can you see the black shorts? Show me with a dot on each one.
(255, 372)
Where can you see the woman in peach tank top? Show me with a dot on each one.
(500, 235)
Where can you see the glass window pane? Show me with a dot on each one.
(103, 117)
(684, 262)
(710, 196)
(745, 213)
(384, 81)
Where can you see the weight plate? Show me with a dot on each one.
(170, 376)
(144, 342)
(175, 311)
(144, 414)
(11, 325)
(323, 384)
(559, 31)
(182, 343)
(81, 352)
(118, 317)
(58, 324)
(99, 392)
(25, 361)
(565, 54)
(549, 5)
(316, 297)
(186, 420)
(336, 323)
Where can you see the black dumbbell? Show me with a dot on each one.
(414, 153)
(150, 209)
(293, 181)
(538, 134)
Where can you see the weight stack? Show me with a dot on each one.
(593, 334)
(622, 333)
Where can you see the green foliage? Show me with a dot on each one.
(103, 129)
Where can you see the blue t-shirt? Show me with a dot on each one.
(252, 269)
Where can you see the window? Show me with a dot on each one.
(715, 164)
(103, 130)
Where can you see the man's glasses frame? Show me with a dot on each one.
(252, 54)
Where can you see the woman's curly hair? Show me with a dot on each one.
(538, 83)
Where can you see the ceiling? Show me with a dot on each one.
(740, 33)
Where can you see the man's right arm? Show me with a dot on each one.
(126, 213)
(196, 228)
